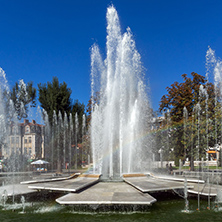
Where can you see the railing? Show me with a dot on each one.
(214, 176)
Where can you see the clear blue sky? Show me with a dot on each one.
(46, 38)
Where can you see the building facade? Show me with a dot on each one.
(26, 139)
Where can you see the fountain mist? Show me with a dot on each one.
(120, 118)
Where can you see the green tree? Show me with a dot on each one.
(180, 95)
(55, 96)
(188, 94)
(90, 106)
(22, 96)
(78, 108)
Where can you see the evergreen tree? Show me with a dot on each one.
(22, 96)
(78, 108)
(55, 96)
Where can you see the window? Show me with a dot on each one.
(27, 129)
(25, 150)
(30, 150)
(12, 140)
(17, 140)
(14, 129)
(26, 141)
(30, 139)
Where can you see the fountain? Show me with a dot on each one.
(186, 209)
(120, 135)
(121, 113)
(23, 204)
(4, 198)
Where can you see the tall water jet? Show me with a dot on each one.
(76, 139)
(54, 135)
(65, 139)
(120, 119)
(185, 120)
(3, 120)
(47, 137)
(70, 140)
(60, 142)
(214, 66)
(83, 134)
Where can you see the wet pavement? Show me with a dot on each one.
(108, 193)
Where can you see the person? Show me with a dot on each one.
(171, 169)
(0, 167)
(167, 168)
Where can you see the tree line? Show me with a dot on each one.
(191, 110)
(55, 101)
(192, 119)
(53, 96)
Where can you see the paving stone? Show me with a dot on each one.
(16, 189)
(71, 185)
(108, 193)
(153, 184)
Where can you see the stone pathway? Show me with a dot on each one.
(104, 193)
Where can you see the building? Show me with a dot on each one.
(157, 122)
(25, 138)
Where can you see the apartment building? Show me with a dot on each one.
(25, 138)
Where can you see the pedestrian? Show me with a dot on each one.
(171, 169)
(167, 168)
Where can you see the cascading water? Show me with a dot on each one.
(214, 66)
(4, 198)
(47, 137)
(70, 140)
(83, 133)
(59, 138)
(185, 120)
(186, 196)
(23, 204)
(3, 119)
(65, 129)
(120, 117)
(54, 135)
(9, 131)
(76, 139)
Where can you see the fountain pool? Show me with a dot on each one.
(167, 210)
(120, 140)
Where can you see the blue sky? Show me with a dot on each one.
(46, 38)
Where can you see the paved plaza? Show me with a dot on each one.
(135, 189)
(16, 189)
(67, 185)
(108, 193)
(148, 184)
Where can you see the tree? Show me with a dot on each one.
(78, 108)
(22, 96)
(91, 105)
(182, 95)
(191, 93)
(65, 119)
(55, 96)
